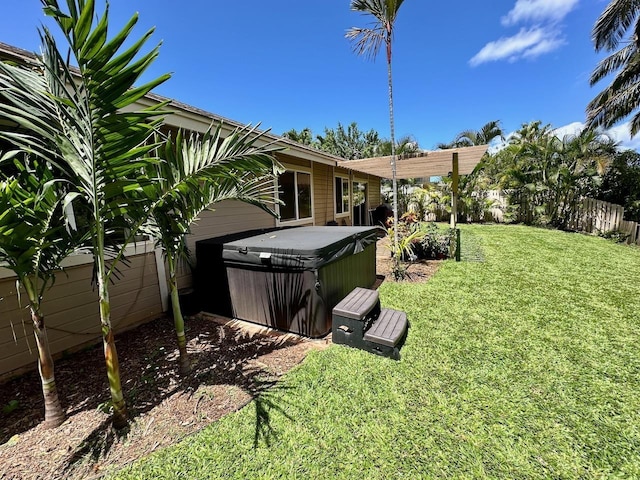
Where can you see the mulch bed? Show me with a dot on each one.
(232, 364)
(418, 271)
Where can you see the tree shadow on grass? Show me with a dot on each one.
(266, 400)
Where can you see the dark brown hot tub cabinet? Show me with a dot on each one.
(291, 279)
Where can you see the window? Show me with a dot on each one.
(295, 193)
(342, 196)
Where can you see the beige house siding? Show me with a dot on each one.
(375, 198)
(323, 202)
(230, 216)
(71, 311)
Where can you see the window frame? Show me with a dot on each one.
(296, 221)
(347, 212)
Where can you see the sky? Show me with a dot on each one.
(286, 63)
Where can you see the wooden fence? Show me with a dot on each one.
(597, 216)
(589, 216)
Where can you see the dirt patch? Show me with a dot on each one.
(233, 363)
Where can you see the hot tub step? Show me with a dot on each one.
(359, 322)
(388, 329)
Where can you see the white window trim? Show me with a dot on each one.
(348, 212)
(298, 221)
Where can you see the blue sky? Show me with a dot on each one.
(286, 63)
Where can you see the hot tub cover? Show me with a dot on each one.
(304, 248)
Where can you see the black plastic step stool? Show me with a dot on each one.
(359, 322)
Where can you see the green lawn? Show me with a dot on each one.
(523, 365)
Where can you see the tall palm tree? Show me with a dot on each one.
(192, 175)
(99, 145)
(367, 42)
(33, 243)
(622, 96)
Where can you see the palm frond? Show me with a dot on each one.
(194, 173)
(612, 63)
(34, 238)
(366, 41)
(613, 23)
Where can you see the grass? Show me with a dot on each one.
(525, 365)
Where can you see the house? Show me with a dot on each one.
(315, 188)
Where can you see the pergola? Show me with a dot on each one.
(454, 161)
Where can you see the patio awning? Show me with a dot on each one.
(421, 165)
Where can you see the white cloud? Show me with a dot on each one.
(621, 134)
(539, 11)
(527, 43)
(541, 33)
(570, 129)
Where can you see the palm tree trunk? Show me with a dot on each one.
(393, 151)
(178, 320)
(108, 341)
(54, 415)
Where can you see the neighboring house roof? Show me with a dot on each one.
(193, 118)
(421, 165)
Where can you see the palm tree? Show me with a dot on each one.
(484, 136)
(192, 175)
(547, 175)
(367, 42)
(99, 146)
(405, 145)
(470, 138)
(33, 243)
(622, 96)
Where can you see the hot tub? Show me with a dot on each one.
(291, 279)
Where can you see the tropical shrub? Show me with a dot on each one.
(435, 242)
(422, 241)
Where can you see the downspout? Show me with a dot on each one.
(333, 189)
(162, 279)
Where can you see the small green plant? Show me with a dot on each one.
(105, 407)
(10, 406)
(614, 235)
(408, 238)
(406, 245)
